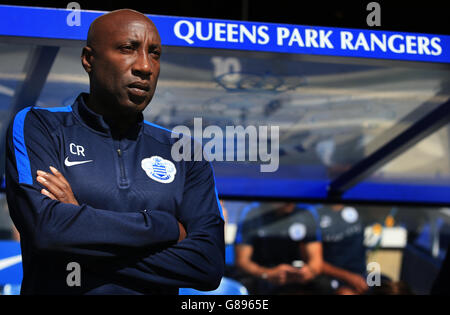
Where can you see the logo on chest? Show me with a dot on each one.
(349, 215)
(77, 150)
(159, 169)
(297, 231)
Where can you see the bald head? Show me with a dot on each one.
(105, 25)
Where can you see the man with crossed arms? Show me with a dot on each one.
(93, 183)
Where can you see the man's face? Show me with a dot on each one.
(125, 65)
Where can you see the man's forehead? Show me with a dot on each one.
(134, 29)
(122, 24)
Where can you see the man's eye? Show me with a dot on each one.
(156, 53)
(127, 48)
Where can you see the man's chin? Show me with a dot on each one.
(137, 103)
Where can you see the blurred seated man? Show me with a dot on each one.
(278, 249)
(344, 253)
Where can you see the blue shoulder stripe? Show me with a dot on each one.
(157, 126)
(217, 194)
(313, 210)
(20, 149)
(243, 214)
(65, 109)
(218, 204)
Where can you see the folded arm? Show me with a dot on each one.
(197, 261)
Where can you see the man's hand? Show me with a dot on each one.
(299, 275)
(357, 282)
(57, 187)
(280, 274)
(182, 232)
(306, 274)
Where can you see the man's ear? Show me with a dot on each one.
(86, 58)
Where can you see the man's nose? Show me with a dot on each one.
(143, 66)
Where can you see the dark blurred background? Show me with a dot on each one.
(411, 16)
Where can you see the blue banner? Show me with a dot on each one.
(224, 34)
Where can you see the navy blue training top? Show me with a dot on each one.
(343, 238)
(131, 194)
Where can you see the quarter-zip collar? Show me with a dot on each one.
(96, 122)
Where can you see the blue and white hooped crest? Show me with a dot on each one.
(297, 231)
(159, 169)
(349, 214)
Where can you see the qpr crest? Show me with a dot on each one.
(297, 231)
(349, 214)
(159, 169)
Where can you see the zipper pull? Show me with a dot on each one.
(119, 152)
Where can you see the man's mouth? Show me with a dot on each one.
(139, 89)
